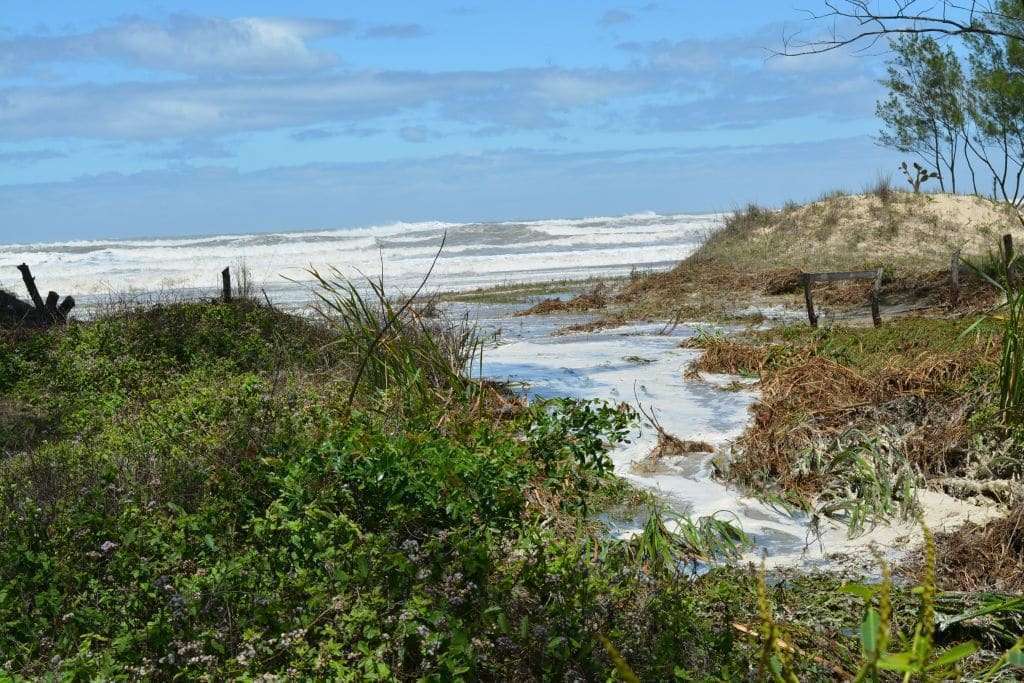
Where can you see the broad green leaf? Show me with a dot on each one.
(897, 661)
(954, 654)
(869, 632)
(859, 589)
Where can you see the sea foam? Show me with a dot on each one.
(475, 255)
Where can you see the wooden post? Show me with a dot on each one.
(954, 277)
(876, 314)
(33, 291)
(805, 278)
(225, 276)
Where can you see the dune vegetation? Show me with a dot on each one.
(216, 490)
(757, 253)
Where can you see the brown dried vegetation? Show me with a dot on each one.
(981, 557)
(596, 298)
(822, 384)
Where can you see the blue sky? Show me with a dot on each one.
(126, 119)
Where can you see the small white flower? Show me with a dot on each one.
(107, 546)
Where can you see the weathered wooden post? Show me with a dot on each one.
(225, 276)
(876, 314)
(806, 279)
(954, 277)
(51, 305)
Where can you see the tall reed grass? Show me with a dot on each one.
(395, 348)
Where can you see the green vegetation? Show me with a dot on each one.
(198, 499)
(1011, 317)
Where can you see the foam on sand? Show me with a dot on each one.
(637, 365)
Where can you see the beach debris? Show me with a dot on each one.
(14, 311)
(595, 298)
(669, 445)
(782, 281)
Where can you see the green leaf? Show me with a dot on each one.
(859, 589)
(898, 661)
(954, 654)
(208, 539)
(869, 632)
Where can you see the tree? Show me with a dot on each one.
(862, 23)
(997, 104)
(924, 113)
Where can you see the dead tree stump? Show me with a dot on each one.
(38, 313)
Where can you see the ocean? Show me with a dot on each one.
(475, 255)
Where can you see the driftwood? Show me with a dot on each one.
(14, 311)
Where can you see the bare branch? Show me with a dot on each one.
(860, 24)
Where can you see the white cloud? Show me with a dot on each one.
(27, 157)
(523, 98)
(186, 44)
(614, 17)
(395, 31)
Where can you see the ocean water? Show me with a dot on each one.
(475, 255)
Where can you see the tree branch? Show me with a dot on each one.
(869, 22)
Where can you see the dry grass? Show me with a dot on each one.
(762, 251)
(820, 385)
(594, 299)
(603, 323)
(981, 557)
(669, 446)
(724, 355)
(904, 232)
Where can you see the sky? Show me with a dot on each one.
(136, 119)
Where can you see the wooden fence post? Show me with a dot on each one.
(954, 277)
(225, 276)
(808, 299)
(876, 314)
